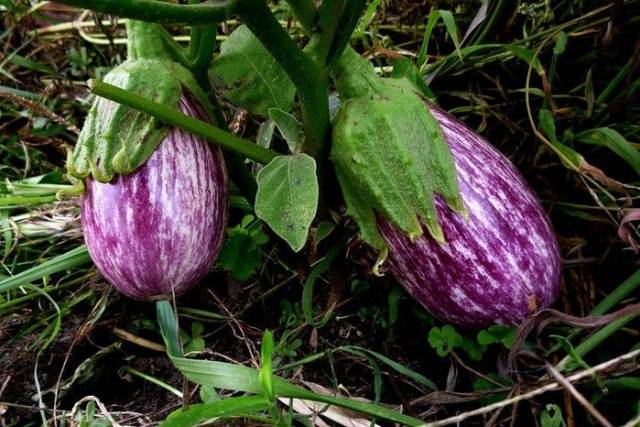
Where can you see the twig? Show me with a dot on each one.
(578, 396)
(633, 422)
(541, 390)
(142, 342)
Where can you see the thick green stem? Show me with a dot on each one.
(203, 39)
(309, 77)
(175, 118)
(305, 12)
(145, 41)
(346, 25)
(337, 21)
(163, 12)
(328, 17)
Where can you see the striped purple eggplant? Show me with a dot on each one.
(154, 233)
(499, 265)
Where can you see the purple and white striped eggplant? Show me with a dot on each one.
(463, 232)
(155, 232)
(499, 265)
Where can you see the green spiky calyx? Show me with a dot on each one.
(116, 139)
(389, 153)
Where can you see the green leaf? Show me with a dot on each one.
(21, 61)
(230, 407)
(394, 301)
(611, 139)
(561, 43)
(241, 378)
(569, 157)
(196, 345)
(265, 133)
(169, 328)
(290, 128)
(71, 259)
(240, 254)
(527, 55)
(552, 416)
(452, 29)
(324, 229)
(473, 349)
(307, 291)
(287, 197)
(394, 365)
(249, 77)
(404, 68)
(265, 375)
(444, 340)
(497, 334)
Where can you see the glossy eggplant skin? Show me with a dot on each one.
(155, 233)
(499, 265)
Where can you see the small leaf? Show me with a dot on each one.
(249, 77)
(265, 133)
(569, 157)
(497, 334)
(444, 340)
(287, 197)
(473, 349)
(197, 329)
(290, 128)
(552, 416)
(452, 29)
(547, 124)
(196, 345)
(561, 43)
(323, 230)
(404, 68)
(394, 301)
(240, 254)
(265, 375)
(208, 394)
(529, 56)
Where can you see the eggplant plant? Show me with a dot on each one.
(460, 228)
(451, 217)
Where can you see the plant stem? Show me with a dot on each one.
(328, 16)
(305, 12)
(163, 12)
(309, 77)
(338, 19)
(203, 39)
(175, 118)
(346, 25)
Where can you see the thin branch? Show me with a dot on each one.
(578, 396)
(536, 392)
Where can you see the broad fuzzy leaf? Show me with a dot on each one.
(249, 77)
(287, 197)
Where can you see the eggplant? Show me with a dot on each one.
(155, 232)
(498, 265)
